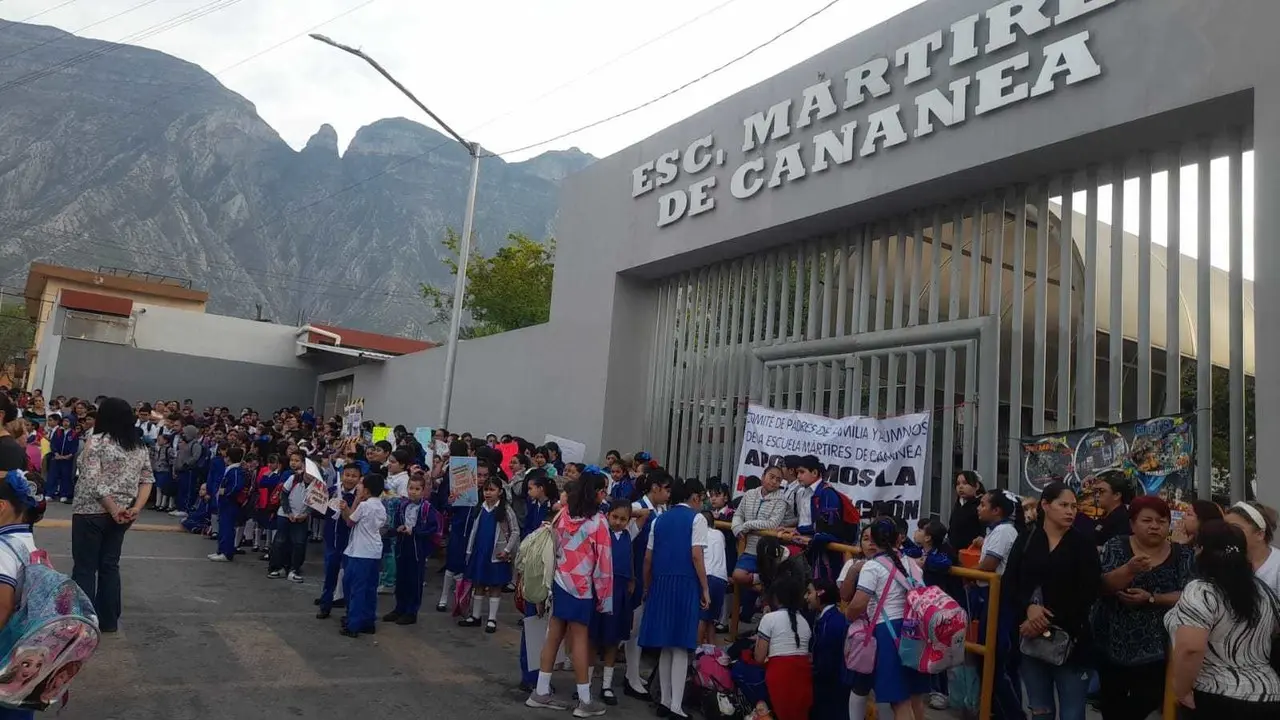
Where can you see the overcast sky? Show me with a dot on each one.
(510, 73)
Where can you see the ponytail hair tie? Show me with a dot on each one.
(17, 481)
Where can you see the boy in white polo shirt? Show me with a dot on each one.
(364, 555)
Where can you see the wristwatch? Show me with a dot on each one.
(1151, 598)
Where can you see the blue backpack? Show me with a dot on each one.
(47, 640)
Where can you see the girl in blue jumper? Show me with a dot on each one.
(675, 578)
(491, 547)
(455, 550)
(417, 529)
(609, 630)
(539, 499)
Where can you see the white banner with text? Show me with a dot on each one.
(878, 463)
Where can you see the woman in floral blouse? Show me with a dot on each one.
(115, 481)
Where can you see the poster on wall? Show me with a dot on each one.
(878, 463)
(352, 418)
(1158, 454)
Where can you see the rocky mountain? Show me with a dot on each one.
(119, 156)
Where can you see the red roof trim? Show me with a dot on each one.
(93, 302)
(362, 340)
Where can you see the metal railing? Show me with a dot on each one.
(986, 649)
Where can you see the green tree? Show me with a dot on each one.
(1219, 453)
(507, 290)
(17, 332)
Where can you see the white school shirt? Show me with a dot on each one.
(874, 579)
(643, 504)
(13, 563)
(366, 534)
(776, 628)
(700, 533)
(714, 556)
(399, 484)
(999, 543)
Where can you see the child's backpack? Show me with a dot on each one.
(860, 641)
(712, 685)
(933, 629)
(276, 496)
(846, 527)
(536, 564)
(54, 630)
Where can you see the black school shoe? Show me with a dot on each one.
(608, 697)
(469, 622)
(391, 617)
(323, 615)
(348, 633)
(340, 603)
(407, 620)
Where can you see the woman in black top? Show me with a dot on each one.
(1053, 580)
(965, 525)
(13, 456)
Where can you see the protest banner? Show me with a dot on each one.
(1159, 455)
(571, 451)
(878, 463)
(463, 491)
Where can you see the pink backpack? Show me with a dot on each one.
(860, 642)
(933, 629)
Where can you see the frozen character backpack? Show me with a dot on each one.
(933, 628)
(49, 637)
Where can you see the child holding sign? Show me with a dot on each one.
(495, 535)
(363, 553)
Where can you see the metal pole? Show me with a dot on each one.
(459, 288)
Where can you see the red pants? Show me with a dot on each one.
(789, 679)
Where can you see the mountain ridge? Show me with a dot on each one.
(129, 157)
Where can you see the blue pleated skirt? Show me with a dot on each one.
(893, 681)
(569, 608)
(671, 613)
(455, 557)
(614, 627)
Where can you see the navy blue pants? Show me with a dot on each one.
(186, 490)
(411, 568)
(360, 585)
(333, 562)
(227, 529)
(62, 478)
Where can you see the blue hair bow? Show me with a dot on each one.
(593, 469)
(17, 480)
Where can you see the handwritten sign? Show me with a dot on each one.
(571, 451)
(463, 482)
(381, 432)
(318, 496)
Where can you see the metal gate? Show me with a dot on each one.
(1095, 319)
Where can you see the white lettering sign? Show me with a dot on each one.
(1000, 83)
(878, 463)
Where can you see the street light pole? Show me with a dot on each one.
(464, 253)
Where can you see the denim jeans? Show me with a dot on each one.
(96, 544)
(1070, 681)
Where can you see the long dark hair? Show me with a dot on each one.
(1223, 562)
(1009, 506)
(788, 594)
(116, 420)
(582, 497)
(884, 533)
(1050, 494)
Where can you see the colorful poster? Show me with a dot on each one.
(571, 451)
(382, 432)
(318, 496)
(878, 463)
(1158, 454)
(352, 418)
(423, 436)
(463, 490)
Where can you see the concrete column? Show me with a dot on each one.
(1266, 253)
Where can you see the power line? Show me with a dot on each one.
(669, 93)
(79, 30)
(29, 18)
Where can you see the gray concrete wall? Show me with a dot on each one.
(215, 336)
(87, 369)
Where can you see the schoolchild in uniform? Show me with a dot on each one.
(831, 680)
(246, 497)
(213, 480)
(64, 442)
(163, 455)
(675, 575)
(417, 528)
(455, 555)
(337, 535)
(716, 562)
(228, 493)
(364, 552)
(266, 503)
(656, 492)
(607, 630)
(491, 548)
(290, 547)
(18, 504)
(537, 511)
(582, 587)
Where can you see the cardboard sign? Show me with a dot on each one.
(463, 482)
(382, 432)
(571, 451)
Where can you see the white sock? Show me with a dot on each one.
(239, 536)
(664, 675)
(493, 608)
(449, 580)
(608, 677)
(679, 672)
(631, 652)
(544, 683)
(477, 606)
(591, 674)
(584, 694)
(337, 591)
(857, 706)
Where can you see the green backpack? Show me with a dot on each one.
(536, 564)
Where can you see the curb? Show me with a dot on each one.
(65, 524)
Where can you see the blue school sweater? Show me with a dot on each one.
(64, 442)
(233, 481)
(536, 514)
(217, 468)
(337, 533)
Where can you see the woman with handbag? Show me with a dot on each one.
(1144, 574)
(1053, 578)
(1224, 631)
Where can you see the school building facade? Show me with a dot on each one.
(923, 217)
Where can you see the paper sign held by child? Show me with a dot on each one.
(462, 482)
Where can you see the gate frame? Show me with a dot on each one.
(983, 330)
